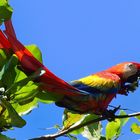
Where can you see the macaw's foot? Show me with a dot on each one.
(110, 114)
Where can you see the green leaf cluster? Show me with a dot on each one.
(91, 132)
(113, 129)
(5, 11)
(19, 94)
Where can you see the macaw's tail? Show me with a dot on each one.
(4, 43)
(30, 64)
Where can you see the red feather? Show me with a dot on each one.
(30, 64)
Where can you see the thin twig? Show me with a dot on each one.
(70, 129)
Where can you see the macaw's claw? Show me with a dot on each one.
(110, 114)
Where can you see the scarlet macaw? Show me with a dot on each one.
(91, 94)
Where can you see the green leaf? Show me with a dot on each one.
(70, 118)
(2, 73)
(10, 117)
(20, 75)
(71, 137)
(5, 11)
(135, 128)
(3, 137)
(23, 109)
(8, 72)
(90, 117)
(3, 58)
(138, 118)
(25, 93)
(113, 129)
(93, 131)
(123, 120)
(35, 51)
(24, 80)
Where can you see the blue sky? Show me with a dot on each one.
(78, 38)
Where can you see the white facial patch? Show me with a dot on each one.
(129, 70)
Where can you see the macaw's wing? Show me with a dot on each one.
(100, 89)
(102, 82)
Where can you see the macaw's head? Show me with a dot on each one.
(127, 71)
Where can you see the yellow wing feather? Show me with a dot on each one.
(103, 81)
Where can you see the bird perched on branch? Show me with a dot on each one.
(91, 94)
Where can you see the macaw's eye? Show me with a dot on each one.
(130, 65)
(129, 71)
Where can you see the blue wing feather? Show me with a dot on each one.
(98, 84)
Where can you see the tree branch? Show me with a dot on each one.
(72, 128)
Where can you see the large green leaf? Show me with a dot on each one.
(23, 82)
(113, 129)
(70, 118)
(135, 128)
(9, 116)
(8, 72)
(23, 109)
(5, 11)
(35, 51)
(25, 93)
